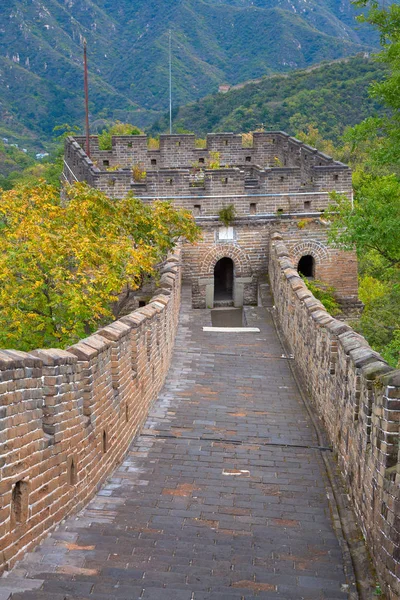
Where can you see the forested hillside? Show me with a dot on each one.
(331, 97)
(213, 42)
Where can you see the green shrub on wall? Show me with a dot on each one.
(214, 160)
(227, 214)
(324, 293)
(105, 137)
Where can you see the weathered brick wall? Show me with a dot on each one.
(333, 266)
(77, 165)
(357, 397)
(268, 190)
(247, 251)
(68, 417)
(281, 165)
(263, 190)
(250, 246)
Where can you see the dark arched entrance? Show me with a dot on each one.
(223, 280)
(306, 266)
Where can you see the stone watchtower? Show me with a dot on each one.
(278, 183)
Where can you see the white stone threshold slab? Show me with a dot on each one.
(232, 329)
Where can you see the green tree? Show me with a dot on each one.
(105, 137)
(373, 221)
(384, 131)
(372, 225)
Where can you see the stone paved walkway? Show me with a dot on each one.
(209, 504)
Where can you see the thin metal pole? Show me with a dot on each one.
(170, 85)
(86, 98)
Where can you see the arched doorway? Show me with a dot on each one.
(306, 266)
(223, 280)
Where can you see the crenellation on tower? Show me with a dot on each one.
(269, 149)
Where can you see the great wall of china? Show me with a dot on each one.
(67, 417)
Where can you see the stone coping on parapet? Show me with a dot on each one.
(245, 170)
(261, 218)
(354, 345)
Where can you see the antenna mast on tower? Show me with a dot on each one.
(85, 69)
(170, 84)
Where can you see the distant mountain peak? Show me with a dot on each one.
(214, 41)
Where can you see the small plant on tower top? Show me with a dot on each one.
(138, 173)
(214, 160)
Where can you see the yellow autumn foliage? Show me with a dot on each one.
(64, 261)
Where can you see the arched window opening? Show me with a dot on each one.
(306, 266)
(223, 280)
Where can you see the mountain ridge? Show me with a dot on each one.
(329, 96)
(213, 42)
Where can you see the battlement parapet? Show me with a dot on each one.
(277, 173)
(268, 149)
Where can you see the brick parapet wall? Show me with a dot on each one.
(77, 165)
(269, 149)
(357, 397)
(68, 417)
(275, 190)
(275, 164)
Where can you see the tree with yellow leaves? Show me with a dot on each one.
(63, 262)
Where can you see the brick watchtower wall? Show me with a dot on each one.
(68, 417)
(277, 182)
(250, 240)
(357, 397)
(269, 149)
(275, 164)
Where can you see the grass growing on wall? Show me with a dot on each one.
(227, 214)
(324, 293)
